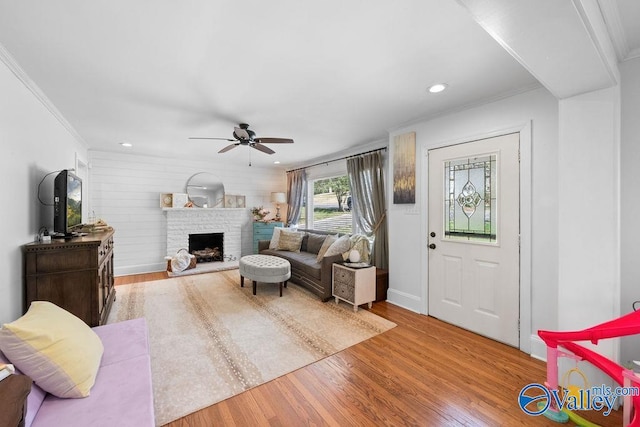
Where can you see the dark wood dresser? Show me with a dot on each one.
(75, 274)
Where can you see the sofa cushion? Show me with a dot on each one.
(122, 396)
(290, 241)
(314, 242)
(301, 261)
(55, 348)
(123, 340)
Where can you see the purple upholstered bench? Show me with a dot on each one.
(122, 394)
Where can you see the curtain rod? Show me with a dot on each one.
(338, 159)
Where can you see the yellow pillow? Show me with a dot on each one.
(55, 348)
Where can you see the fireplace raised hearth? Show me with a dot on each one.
(207, 247)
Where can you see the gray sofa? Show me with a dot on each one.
(305, 270)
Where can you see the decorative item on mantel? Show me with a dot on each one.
(174, 200)
(278, 199)
(259, 213)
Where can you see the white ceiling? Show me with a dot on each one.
(332, 75)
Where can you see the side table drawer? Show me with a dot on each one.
(344, 290)
(342, 275)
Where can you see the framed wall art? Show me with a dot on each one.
(404, 168)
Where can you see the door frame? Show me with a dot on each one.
(525, 221)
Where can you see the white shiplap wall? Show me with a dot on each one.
(125, 191)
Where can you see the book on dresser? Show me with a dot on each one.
(75, 274)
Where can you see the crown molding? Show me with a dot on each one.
(611, 15)
(635, 53)
(13, 66)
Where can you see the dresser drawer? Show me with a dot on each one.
(263, 231)
(263, 234)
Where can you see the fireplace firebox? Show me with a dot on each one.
(207, 247)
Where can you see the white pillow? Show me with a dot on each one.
(340, 246)
(328, 241)
(275, 237)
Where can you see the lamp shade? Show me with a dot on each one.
(278, 198)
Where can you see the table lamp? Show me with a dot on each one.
(278, 198)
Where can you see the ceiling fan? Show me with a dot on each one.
(245, 136)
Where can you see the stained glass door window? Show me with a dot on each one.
(470, 199)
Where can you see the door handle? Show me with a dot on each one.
(432, 246)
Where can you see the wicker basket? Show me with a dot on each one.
(192, 261)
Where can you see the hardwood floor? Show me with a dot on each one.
(424, 372)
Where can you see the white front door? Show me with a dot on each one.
(474, 251)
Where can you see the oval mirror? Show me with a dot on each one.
(205, 190)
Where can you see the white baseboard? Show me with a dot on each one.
(404, 300)
(538, 348)
(140, 269)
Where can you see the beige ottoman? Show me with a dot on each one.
(264, 268)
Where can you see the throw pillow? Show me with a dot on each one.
(330, 240)
(290, 241)
(340, 246)
(275, 237)
(55, 348)
(315, 242)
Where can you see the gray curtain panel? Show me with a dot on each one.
(296, 187)
(366, 179)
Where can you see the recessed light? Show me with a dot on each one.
(439, 87)
(126, 144)
(277, 162)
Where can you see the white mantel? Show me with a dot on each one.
(184, 221)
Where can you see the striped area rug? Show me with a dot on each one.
(211, 339)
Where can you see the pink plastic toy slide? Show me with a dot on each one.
(626, 325)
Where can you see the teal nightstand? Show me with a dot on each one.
(263, 231)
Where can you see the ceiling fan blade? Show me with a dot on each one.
(221, 139)
(241, 133)
(229, 147)
(274, 140)
(263, 148)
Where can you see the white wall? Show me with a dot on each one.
(125, 192)
(34, 142)
(408, 268)
(630, 200)
(588, 210)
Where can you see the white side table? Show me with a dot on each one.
(354, 285)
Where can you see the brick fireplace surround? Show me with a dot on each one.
(184, 221)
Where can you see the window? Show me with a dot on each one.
(470, 204)
(331, 206)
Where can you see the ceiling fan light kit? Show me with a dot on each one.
(244, 136)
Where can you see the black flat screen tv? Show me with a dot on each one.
(67, 203)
